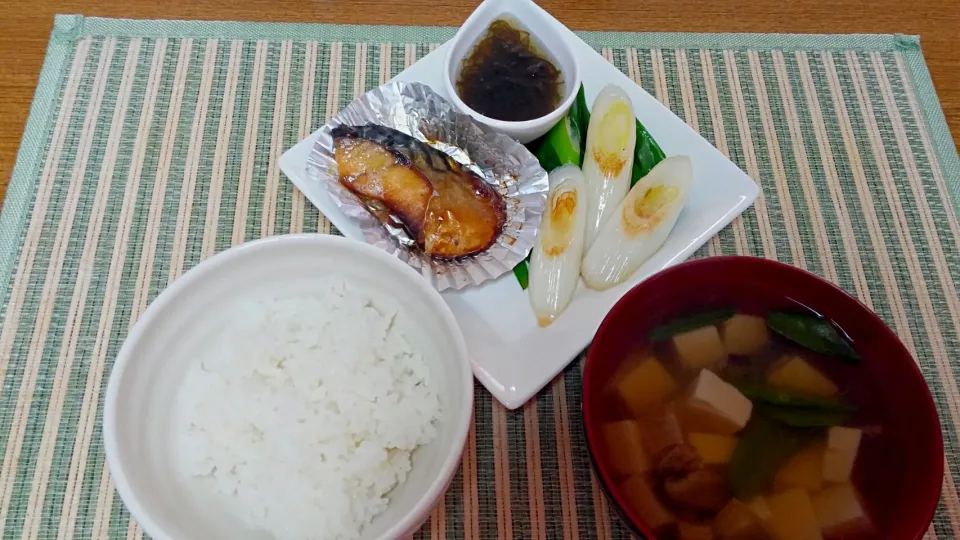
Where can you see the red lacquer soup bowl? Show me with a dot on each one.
(899, 467)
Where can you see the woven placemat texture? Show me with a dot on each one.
(153, 145)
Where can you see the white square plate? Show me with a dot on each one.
(512, 356)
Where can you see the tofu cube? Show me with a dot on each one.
(646, 386)
(794, 374)
(661, 430)
(792, 516)
(804, 470)
(624, 446)
(758, 505)
(840, 513)
(737, 522)
(843, 444)
(689, 531)
(713, 449)
(640, 497)
(700, 348)
(715, 406)
(744, 334)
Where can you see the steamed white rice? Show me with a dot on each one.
(303, 413)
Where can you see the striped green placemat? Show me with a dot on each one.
(153, 144)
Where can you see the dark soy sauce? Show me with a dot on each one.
(506, 78)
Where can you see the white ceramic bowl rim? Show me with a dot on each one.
(553, 116)
(446, 471)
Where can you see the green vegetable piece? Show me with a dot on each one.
(814, 333)
(763, 394)
(546, 154)
(565, 142)
(579, 115)
(685, 324)
(801, 417)
(560, 146)
(646, 154)
(522, 271)
(764, 446)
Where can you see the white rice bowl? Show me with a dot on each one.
(303, 413)
(166, 424)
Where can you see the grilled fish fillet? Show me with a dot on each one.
(449, 211)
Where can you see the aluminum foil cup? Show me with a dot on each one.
(415, 109)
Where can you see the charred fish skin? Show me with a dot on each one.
(387, 138)
(410, 151)
(451, 212)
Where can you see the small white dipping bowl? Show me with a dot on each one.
(544, 33)
(138, 423)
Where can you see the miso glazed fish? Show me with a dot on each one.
(449, 211)
(555, 261)
(608, 158)
(640, 224)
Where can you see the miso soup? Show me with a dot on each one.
(733, 425)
